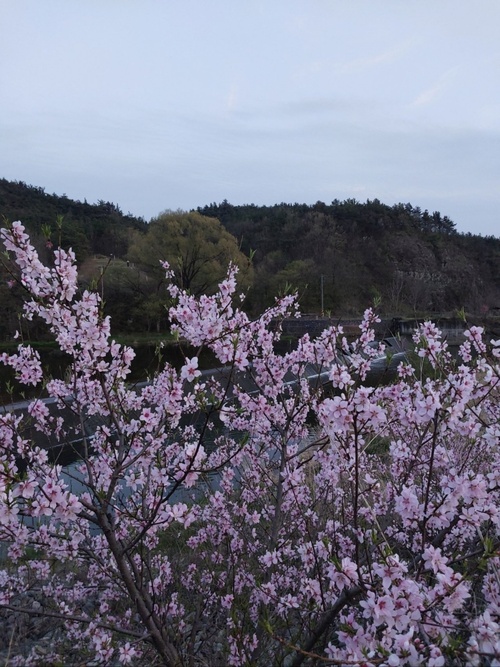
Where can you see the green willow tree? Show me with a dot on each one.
(197, 248)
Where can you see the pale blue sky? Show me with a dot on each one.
(156, 104)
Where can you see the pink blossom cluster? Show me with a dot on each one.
(277, 511)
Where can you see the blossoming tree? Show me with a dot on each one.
(263, 514)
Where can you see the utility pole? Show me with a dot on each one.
(322, 296)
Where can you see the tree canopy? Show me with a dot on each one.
(415, 260)
(197, 248)
(338, 255)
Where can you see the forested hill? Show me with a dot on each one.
(411, 260)
(340, 256)
(88, 228)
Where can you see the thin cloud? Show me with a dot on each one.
(360, 64)
(430, 94)
(357, 65)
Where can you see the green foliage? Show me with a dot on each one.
(88, 228)
(338, 256)
(413, 260)
(198, 250)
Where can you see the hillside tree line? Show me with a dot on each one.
(340, 257)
